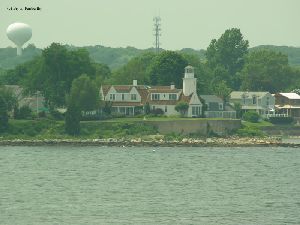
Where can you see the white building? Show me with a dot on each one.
(261, 102)
(129, 99)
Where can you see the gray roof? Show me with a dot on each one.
(249, 94)
(211, 98)
(16, 90)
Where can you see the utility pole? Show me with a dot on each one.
(157, 32)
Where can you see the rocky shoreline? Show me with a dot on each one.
(192, 142)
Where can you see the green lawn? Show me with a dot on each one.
(262, 123)
(134, 119)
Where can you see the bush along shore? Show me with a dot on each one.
(155, 142)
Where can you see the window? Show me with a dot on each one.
(196, 110)
(220, 106)
(114, 109)
(207, 106)
(153, 107)
(155, 96)
(254, 99)
(268, 101)
(166, 108)
(133, 96)
(112, 97)
(123, 97)
(122, 110)
(172, 97)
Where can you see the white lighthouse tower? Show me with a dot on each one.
(189, 81)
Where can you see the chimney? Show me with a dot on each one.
(134, 83)
(172, 86)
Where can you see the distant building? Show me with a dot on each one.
(261, 102)
(35, 102)
(129, 99)
(288, 104)
(215, 107)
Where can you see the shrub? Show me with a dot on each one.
(249, 132)
(3, 115)
(72, 121)
(281, 120)
(23, 113)
(118, 115)
(251, 116)
(96, 117)
(42, 114)
(57, 115)
(157, 111)
(182, 108)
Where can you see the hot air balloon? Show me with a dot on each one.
(19, 33)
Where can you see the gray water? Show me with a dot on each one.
(100, 185)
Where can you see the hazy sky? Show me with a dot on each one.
(185, 23)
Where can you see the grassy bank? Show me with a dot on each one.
(51, 129)
(116, 128)
(253, 129)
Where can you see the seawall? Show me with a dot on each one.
(202, 127)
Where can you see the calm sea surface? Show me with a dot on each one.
(100, 185)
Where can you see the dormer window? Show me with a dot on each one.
(112, 97)
(172, 97)
(155, 96)
(133, 96)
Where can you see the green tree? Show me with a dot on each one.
(55, 70)
(167, 67)
(84, 93)
(23, 113)
(228, 51)
(107, 107)
(267, 71)
(3, 114)
(10, 98)
(84, 96)
(238, 108)
(147, 108)
(102, 73)
(182, 108)
(251, 116)
(73, 117)
(222, 90)
(135, 69)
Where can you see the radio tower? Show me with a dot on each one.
(157, 32)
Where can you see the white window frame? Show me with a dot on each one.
(133, 97)
(172, 96)
(112, 97)
(155, 96)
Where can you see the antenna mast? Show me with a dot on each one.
(157, 32)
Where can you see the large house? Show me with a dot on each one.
(261, 102)
(216, 108)
(288, 104)
(129, 99)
